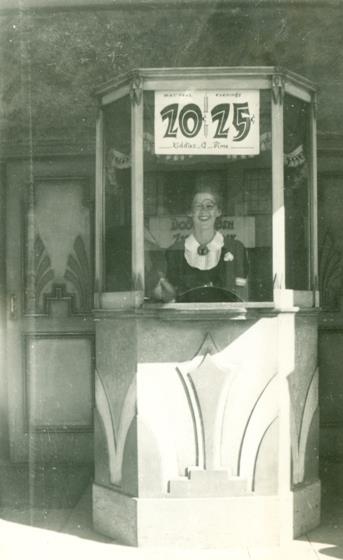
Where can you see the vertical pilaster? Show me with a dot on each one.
(286, 366)
(137, 184)
(99, 206)
(314, 272)
(279, 241)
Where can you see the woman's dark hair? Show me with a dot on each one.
(209, 182)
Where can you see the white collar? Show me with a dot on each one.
(203, 262)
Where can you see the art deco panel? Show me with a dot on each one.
(187, 412)
(58, 244)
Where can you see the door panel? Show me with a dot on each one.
(59, 389)
(50, 328)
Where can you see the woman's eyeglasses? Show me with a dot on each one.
(204, 206)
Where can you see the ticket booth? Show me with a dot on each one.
(206, 420)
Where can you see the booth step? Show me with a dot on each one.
(205, 483)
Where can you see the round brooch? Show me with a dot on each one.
(203, 250)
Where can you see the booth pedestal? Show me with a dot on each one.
(206, 426)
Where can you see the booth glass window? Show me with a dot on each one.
(297, 167)
(117, 172)
(240, 187)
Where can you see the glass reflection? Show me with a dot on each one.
(117, 168)
(296, 177)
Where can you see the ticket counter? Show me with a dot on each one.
(206, 420)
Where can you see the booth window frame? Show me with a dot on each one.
(279, 82)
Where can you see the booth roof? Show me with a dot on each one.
(203, 73)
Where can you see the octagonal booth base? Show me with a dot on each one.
(202, 522)
(201, 443)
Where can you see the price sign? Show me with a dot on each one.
(224, 122)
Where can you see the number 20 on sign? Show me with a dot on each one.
(207, 122)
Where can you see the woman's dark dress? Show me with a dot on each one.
(232, 265)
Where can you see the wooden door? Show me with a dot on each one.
(50, 340)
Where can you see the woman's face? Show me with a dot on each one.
(204, 210)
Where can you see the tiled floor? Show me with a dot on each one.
(64, 532)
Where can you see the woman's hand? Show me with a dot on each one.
(164, 291)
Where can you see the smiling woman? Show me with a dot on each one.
(205, 258)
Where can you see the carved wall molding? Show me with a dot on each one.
(115, 435)
(104, 410)
(58, 294)
(299, 437)
(263, 414)
(210, 390)
(78, 273)
(38, 276)
(208, 410)
(278, 88)
(192, 386)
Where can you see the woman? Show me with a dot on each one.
(205, 257)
